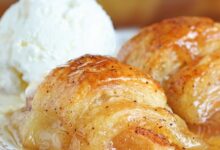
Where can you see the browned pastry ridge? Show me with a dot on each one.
(96, 103)
(183, 55)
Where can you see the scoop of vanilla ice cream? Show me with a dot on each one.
(38, 35)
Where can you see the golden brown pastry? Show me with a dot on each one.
(96, 103)
(184, 55)
(194, 94)
(162, 48)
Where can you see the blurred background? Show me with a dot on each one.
(137, 13)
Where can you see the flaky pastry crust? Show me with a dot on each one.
(96, 103)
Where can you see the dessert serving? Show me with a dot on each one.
(163, 92)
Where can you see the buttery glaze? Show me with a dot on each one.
(183, 55)
(162, 48)
(96, 103)
(196, 90)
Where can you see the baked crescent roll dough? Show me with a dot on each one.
(194, 94)
(183, 54)
(96, 103)
(162, 48)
